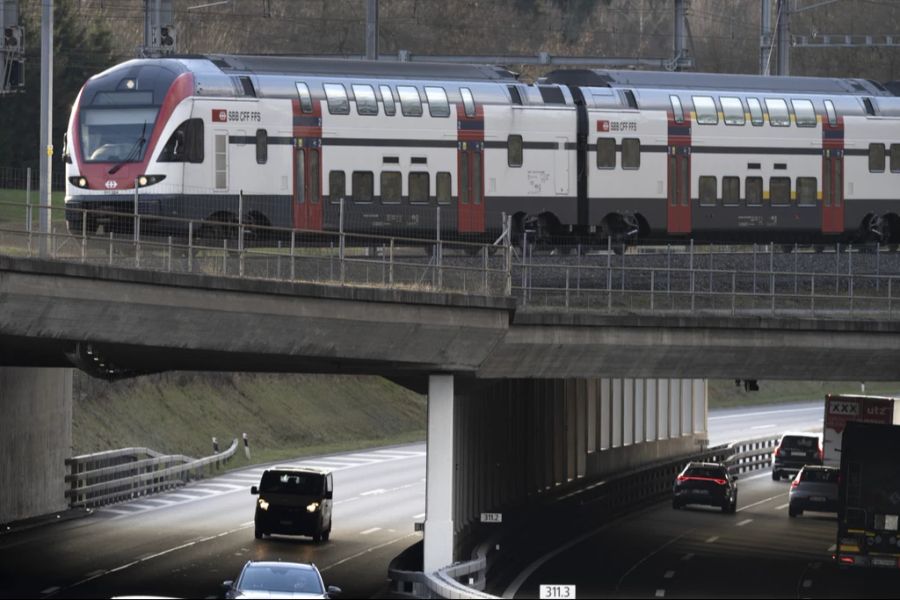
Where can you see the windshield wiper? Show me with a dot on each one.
(133, 153)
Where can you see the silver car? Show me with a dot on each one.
(814, 488)
(267, 579)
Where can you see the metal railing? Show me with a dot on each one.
(119, 475)
(603, 499)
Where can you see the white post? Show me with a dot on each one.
(439, 475)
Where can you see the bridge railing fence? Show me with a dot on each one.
(117, 475)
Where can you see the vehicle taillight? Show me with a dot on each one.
(847, 560)
(681, 478)
(795, 483)
(778, 450)
(821, 454)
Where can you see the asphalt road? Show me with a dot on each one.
(187, 542)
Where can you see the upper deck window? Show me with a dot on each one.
(804, 112)
(387, 98)
(830, 113)
(366, 104)
(677, 110)
(756, 112)
(778, 112)
(733, 111)
(438, 105)
(468, 101)
(336, 95)
(410, 102)
(705, 107)
(306, 104)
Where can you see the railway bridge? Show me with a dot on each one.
(520, 400)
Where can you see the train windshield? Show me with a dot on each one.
(116, 134)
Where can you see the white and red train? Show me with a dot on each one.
(583, 154)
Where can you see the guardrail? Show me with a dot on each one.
(118, 475)
(602, 500)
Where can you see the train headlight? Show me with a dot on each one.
(78, 181)
(145, 180)
(312, 507)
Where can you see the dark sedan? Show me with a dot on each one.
(705, 483)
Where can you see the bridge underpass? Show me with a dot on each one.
(128, 322)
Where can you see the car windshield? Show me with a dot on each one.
(710, 472)
(281, 579)
(310, 484)
(820, 475)
(802, 442)
(116, 134)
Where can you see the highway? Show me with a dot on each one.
(185, 543)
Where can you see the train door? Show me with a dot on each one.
(679, 189)
(307, 199)
(832, 171)
(470, 166)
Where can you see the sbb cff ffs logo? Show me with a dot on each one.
(219, 115)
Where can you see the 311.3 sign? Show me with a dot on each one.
(557, 592)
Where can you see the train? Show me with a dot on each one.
(586, 155)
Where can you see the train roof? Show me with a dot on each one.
(715, 81)
(299, 65)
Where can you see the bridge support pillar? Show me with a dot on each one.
(438, 551)
(35, 440)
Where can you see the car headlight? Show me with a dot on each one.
(312, 507)
(263, 504)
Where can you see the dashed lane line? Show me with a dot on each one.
(744, 522)
(368, 531)
(712, 539)
(669, 575)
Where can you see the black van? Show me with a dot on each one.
(294, 501)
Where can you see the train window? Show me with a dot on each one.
(410, 102)
(418, 187)
(444, 193)
(337, 185)
(708, 190)
(631, 153)
(804, 112)
(391, 160)
(895, 158)
(314, 176)
(807, 191)
(677, 110)
(514, 94)
(705, 107)
(876, 158)
(366, 104)
(630, 99)
(551, 94)
(468, 101)
(829, 111)
(391, 187)
(870, 108)
(438, 105)
(262, 146)
(778, 112)
(336, 95)
(185, 144)
(780, 191)
(363, 186)
(606, 153)
(754, 190)
(756, 113)
(387, 98)
(731, 191)
(732, 110)
(514, 151)
(305, 97)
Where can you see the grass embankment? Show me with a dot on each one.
(723, 393)
(285, 416)
(12, 205)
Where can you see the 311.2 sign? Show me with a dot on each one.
(557, 592)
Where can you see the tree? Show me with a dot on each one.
(82, 47)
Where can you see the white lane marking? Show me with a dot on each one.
(368, 550)
(765, 412)
(782, 506)
(832, 547)
(368, 531)
(744, 522)
(763, 426)
(373, 492)
(763, 501)
(660, 593)
(712, 539)
(669, 575)
(50, 590)
(752, 477)
(807, 583)
(399, 452)
(688, 556)
(649, 556)
(419, 516)
(247, 524)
